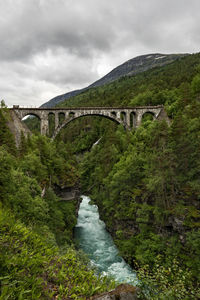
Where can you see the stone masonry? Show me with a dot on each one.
(129, 117)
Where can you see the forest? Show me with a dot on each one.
(146, 183)
(38, 258)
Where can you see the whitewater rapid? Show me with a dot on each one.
(97, 243)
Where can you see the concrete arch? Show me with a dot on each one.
(66, 122)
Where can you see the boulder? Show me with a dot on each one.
(122, 292)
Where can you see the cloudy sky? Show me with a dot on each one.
(50, 47)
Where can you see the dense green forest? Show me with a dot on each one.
(146, 183)
(37, 256)
(161, 85)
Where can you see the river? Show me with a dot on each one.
(97, 243)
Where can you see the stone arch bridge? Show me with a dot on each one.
(129, 117)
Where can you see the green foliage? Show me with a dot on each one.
(162, 85)
(192, 245)
(33, 269)
(42, 164)
(196, 85)
(49, 162)
(34, 222)
(33, 123)
(167, 282)
(6, 137)
(146, 184)
(148, 195)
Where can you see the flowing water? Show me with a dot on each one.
(97, 243)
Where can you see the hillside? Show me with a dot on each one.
(37, 256)
(131, 67)
(146, 182)
(137, 65)
(152, 87)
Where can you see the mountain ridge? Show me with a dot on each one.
(131, 67)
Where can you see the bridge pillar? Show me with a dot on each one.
(56, 120)
(138, 120)
(118, 115)
(128, 119)
(125, 117)
(44, 126)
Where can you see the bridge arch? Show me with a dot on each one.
(61, 117)
(132, 119)
(32, 121)
(26, 114)
(69, 120)
(129, 117)
(149, 115)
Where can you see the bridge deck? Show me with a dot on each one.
(16, 107)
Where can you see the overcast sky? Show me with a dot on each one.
(50, 47)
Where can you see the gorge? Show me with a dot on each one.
(145, 183)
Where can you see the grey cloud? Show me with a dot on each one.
(34, 29)
(154, 24)
(85, 27)
(58, 68)
(51, 46)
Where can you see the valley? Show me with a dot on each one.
(145, 182)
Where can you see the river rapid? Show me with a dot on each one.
(97, 243)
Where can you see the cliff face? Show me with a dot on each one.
(129, 68)
(17, 127)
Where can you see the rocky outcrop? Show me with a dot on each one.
(17, 127)
(69, 194)
(122, 292)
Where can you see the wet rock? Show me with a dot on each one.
(122, 292)
(176, 224)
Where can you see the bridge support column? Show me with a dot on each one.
(118, 115)
(128, 119)
(44, 126)
(125, 118)
(56, 120)
(138, 118)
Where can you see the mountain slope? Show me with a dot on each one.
(160, 85)
(131, 67)
(137, 65)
